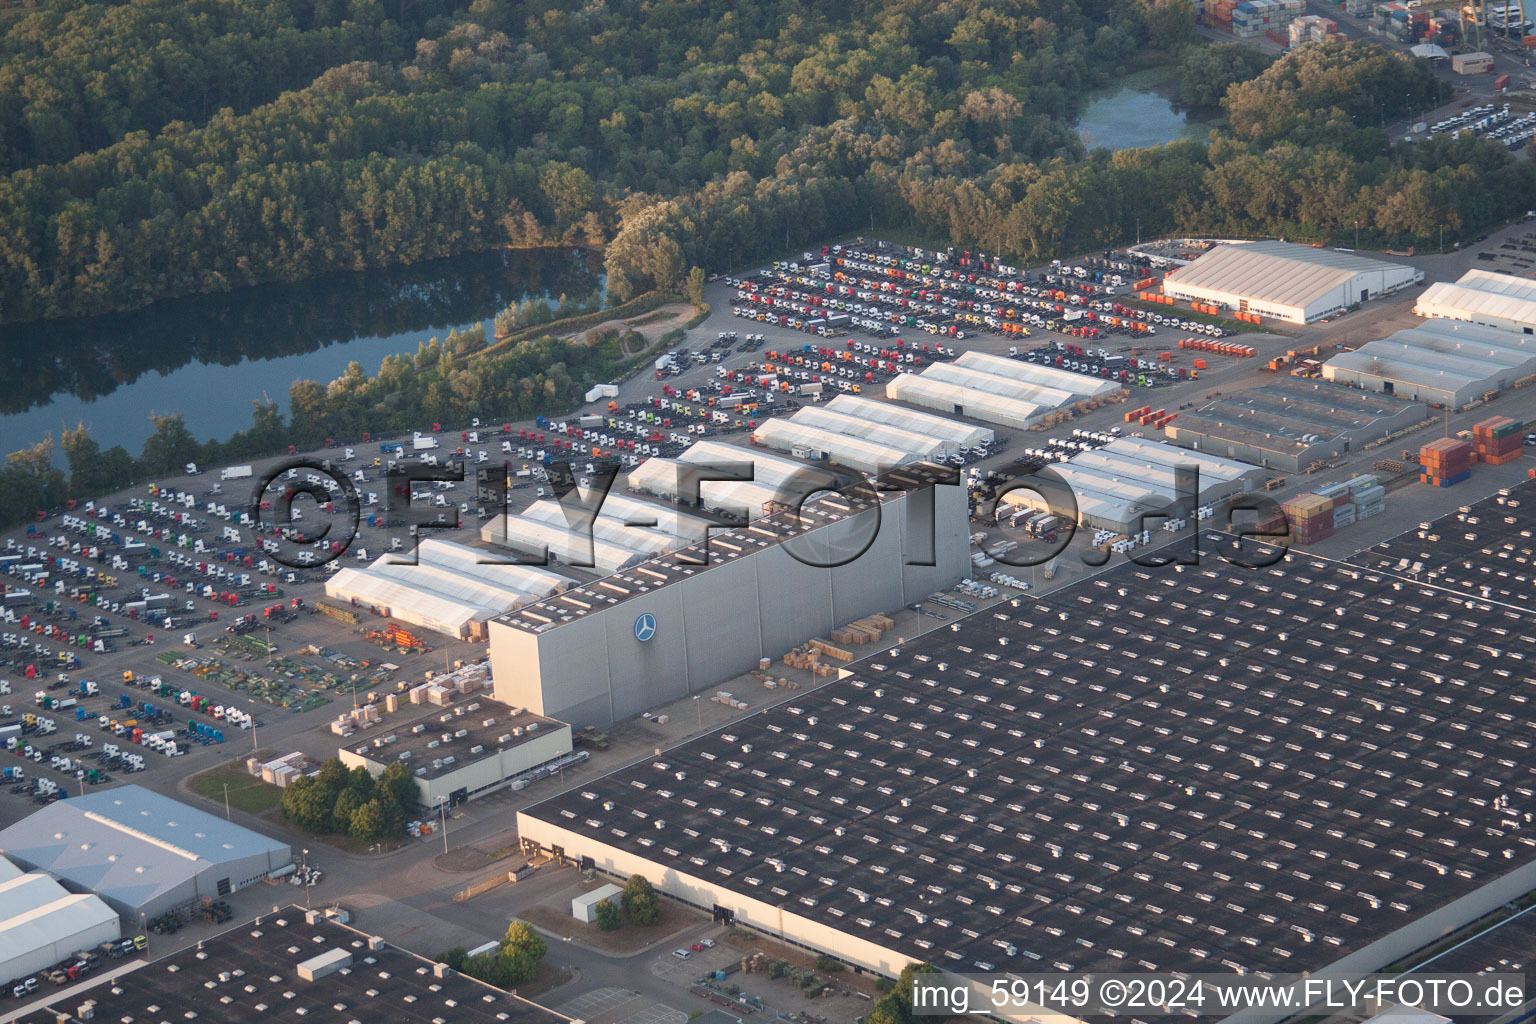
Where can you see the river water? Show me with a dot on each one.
(209, 357)
(1140, 112)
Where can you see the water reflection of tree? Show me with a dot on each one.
(93, 357)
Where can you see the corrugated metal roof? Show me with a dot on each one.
(1211, 466)
(28, 892)
(1443, 355)
(1371, 364)
(444, 585)
(38, 928)
(130, 843)
(1501, 284)
(607, 526)
(957, 431)
(1472, 302)
(1279, 272)
(923, 446)
(774, 478)
(948, 397)
(1078, 384)
(425, 607)
(857, 453)
(573, 548)
(980, 380)
(770, 469)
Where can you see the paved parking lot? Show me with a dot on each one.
(620, 1006)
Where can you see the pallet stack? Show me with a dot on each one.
(1311, 517)
(837, 653)
(863, 631)
(1496, 441)
(1446, 462)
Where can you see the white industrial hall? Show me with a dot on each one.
(1284, 281)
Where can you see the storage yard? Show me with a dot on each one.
(1295, 283)
(1441, 362)
(1147, 826)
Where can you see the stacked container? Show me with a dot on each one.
(1496, 441)
(1368, 496)
(1219, 13)
(1255, 17)
(1311, 517)
(1445, 462)
(1311, 28)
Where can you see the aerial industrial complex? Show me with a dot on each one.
(300, 964)
(757, 630)
(1314, 767)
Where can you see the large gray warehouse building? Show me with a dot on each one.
(141, 852)
(1442, 362)
(1296, 283)
(673, 626)
(1148, 771)
(1293, 423)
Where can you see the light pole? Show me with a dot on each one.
(305, 870)
(1357, 235)
(253, 727)
(226, 802)
(700, 709)
(442, 807)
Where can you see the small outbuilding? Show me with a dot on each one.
(584, 907)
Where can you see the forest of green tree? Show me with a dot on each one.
(162, 149)
(507, 124)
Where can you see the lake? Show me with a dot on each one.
(1139, 113)
(209, 357)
